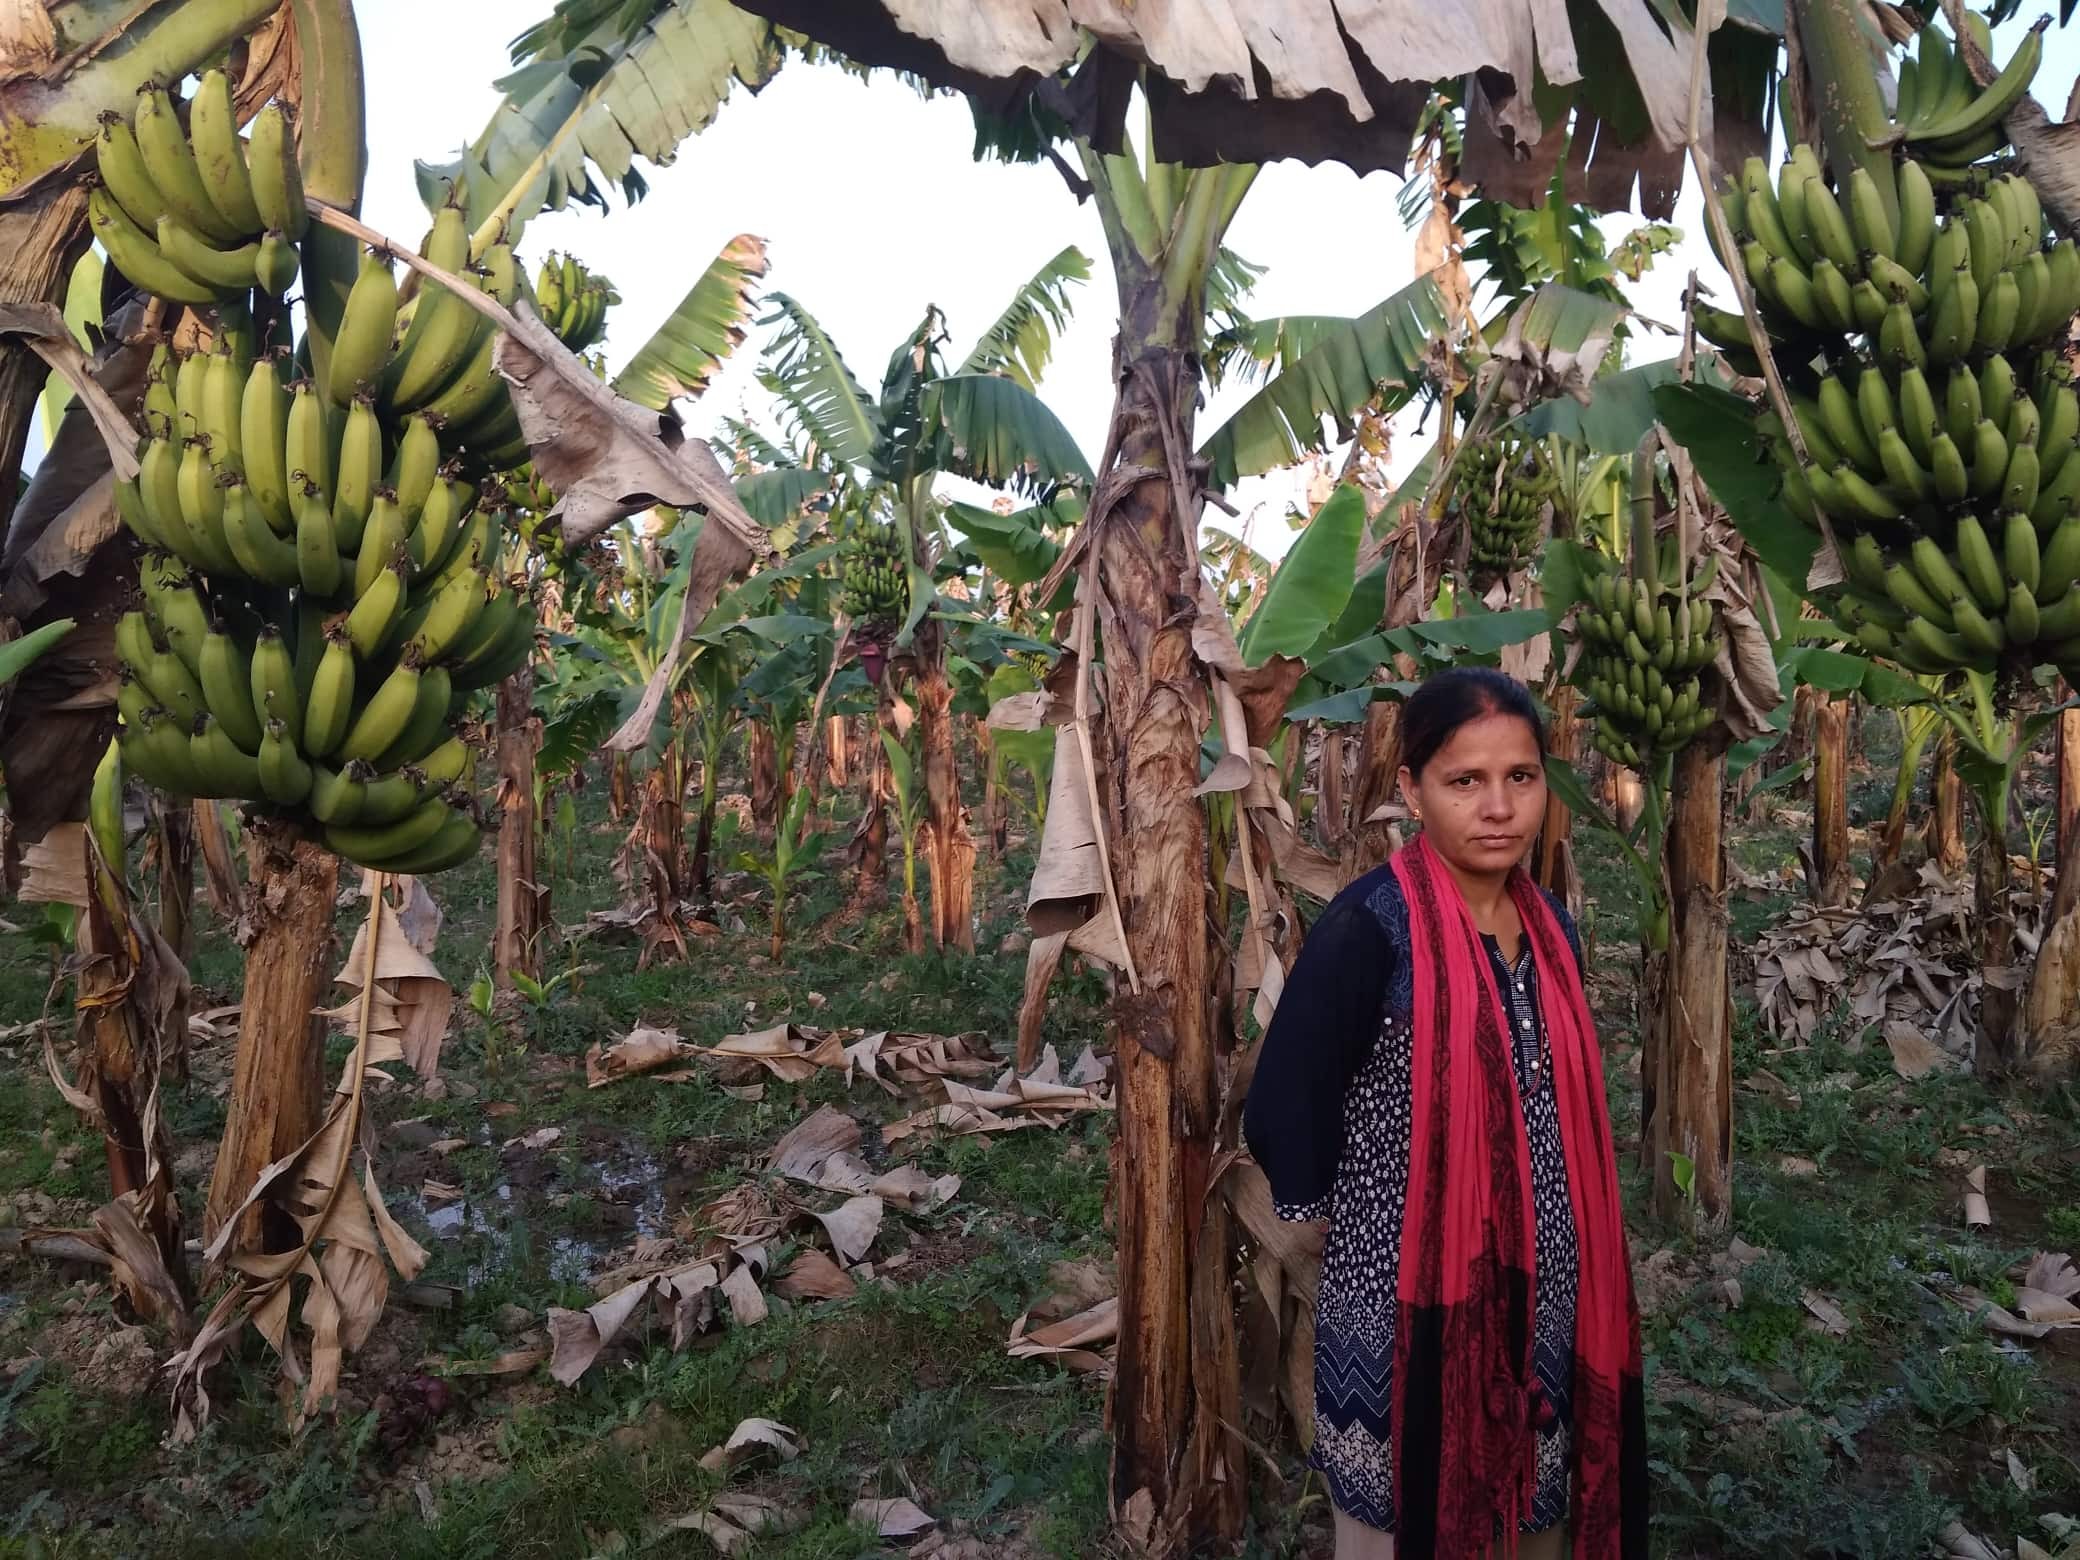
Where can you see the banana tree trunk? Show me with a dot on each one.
(1368, 841)
(1892, 838)
(702, 874)
(949, 850)
(765, 779)
(523, 892)
(870, 833)
(1993, 916)
(173, 823)
(1687, 1058)
(996, 783)
(620, 787)
(1946, 810)
(1176, 1385)
(1832, 877)
(1552, 862)
(2051, 1007)
(837, 755)
(2065, 894)
(660, 845)
(278, 1079)
(1330, 803)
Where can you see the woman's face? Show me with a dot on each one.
(1482, 795)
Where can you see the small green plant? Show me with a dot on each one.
(909, 811)
(1683, 1169)
(793, 859)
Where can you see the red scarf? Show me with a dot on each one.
(1466, 1402)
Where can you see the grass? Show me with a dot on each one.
(1770, 1437)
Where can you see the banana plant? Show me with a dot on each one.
(909, 814)
(796, 849)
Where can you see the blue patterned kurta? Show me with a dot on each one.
(1354, 1319)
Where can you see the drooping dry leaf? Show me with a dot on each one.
(42, 328)
(1996, 1318)
(641, 1050)
(814, 1276)
(577, 1337)
(897, 1518)
(54, 869)
(413, 1002)
(2053, 1273)
(750, 1439)
(537, 1140)
(1977, 1215)
(747, 1306)
(735, 1518)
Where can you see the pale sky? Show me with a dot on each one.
(872, 208)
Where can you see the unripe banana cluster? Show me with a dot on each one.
(573, 301)
(199, 215)
(877, 582)
(1938, 418)
(1646, 635)
(316, 607)
(1502, 495)
(1947, 122)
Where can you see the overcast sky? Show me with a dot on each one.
(872, 208)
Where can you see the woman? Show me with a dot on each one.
(1431, 1087)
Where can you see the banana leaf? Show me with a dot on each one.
(597, 87)
(1718, 430)
(998, 432)
(1376, 357)
(684, 352)
(17, 655)
(1619, 412)
(1013, 547)
(1312, 585)
(1021, 341)
(773, 498)
(805, 370)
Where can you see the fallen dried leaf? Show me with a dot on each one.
(513, 1362)
(751, 1438)
(439, 1192)
(814, 1276)
(1977, 1215)
(1793, 1164)
(852, 1226)
(1073, 1341)
(641, 1050)
(1959, 1543)
(910, 1189)
(897, 1518)
(820, 1151)
(446, 1146)
(1826, 1312)
(1914, 1055)
(539, 1138)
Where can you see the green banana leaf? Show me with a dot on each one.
(1021, 341)
(996, 431)
(1311, 585)
(1718, 430)
(807, 372)
(684, 352)
(1250, 349)
(597, 86)
(1376, 357)
(1013, 547)
(1619, 412)
(774, 498)
(17, 655)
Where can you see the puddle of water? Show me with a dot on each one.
(635, 1180)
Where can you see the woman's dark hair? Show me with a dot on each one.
(1447, 701)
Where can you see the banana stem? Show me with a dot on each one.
(1853, 119)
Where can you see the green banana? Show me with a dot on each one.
(1977, 564)
(453, 610)
(2060, 564)
(120, 163)
(1845, 426)
(285, 774)
(1989, 458)
(219, 154)
(376, 613)
(1917, 218)
(1999, 306)
(390, 841)
(263, 441)
(260, 553)
(1990, 106)
(318, 564)
(1947, 469)
(276, 695)
(221, 270)
(2019, 550)
(330, 706)
(137, 255)
(361, 346)
(226, 675)
(1917, 412)
(383, 541)
(276, 179)
(416, 466)
(222, 768)
(171, 162)
(1903, 474)
(427, 728)
(446, 764)
(1961, 405)
(335, 794)
(276, 264)
(359, 472)
(1830, 228)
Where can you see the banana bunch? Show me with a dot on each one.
(1646, 633)
(201, 214)
(573, 301)
(877, 581)
(1503, 496)
(316, 606)
(1945, 120)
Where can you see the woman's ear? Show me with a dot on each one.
(1407, 782)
